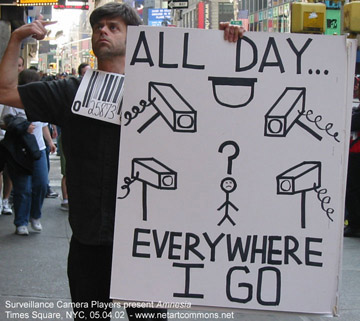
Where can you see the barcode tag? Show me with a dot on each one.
(100, 96)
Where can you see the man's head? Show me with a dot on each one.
(115, 10)
(28, 75)
(109, 24)
(82, 69)
(21, 64)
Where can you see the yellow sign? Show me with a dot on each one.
(36, 2)
(352, 17)
(313, 21)
(308, 17)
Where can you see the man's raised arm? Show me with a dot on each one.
(8, 67)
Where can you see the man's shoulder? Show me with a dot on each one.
(59, 88)
(70, 82)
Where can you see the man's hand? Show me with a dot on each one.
(232, 33)
(35, 29)
(52, 148)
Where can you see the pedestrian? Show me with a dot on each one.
(64, 206)
(91, 163)
(26, 162)
(50, 133)
(6, 204)
(352, 198)
(2, 133)
(82, 69)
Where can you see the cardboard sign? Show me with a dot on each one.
(99, 96)
(232, 170)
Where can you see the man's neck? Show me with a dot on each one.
(116, 65)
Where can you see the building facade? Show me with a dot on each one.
(253, 15)
(204, 14)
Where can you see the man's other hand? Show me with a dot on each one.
(35, 29)
(231, 32)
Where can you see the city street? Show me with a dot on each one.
(33, 281)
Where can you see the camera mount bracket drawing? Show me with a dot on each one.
(150, 172)
(172, 107)
(286, 112)
(300, 179)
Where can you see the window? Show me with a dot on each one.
(226, 11)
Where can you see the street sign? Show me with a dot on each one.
(178, 4)
(236, 22)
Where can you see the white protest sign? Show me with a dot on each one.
(99, 96)
(232, 170)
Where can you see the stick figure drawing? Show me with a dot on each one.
(228, 185)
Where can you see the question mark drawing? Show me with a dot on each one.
(231, 157)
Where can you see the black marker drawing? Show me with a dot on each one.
(143, 47)
(244, 92)
(172, 107)
(231, 157)
(324, 201)
(301, 178)
(286, 112)
(317, 119)
(228, 185)
(188, 267)
(128, 181)
(150, 172)
(136, 110)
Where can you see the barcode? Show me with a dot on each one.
(103, 87)
(99, 96)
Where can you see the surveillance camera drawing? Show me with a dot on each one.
(286, 112)
(233, 92)
(153, 173)
(300, 179)
(172, 107)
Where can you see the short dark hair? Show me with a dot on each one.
(27, 76)
(113, 10)
(81, 66)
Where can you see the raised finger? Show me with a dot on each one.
(39, 30)
(47, 23)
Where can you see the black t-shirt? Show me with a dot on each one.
(91, 149)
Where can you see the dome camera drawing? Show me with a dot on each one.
(233, 92)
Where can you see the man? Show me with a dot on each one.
(82, 69)
(21, 64)
(5, 207)
(352, 199)
(91, 148)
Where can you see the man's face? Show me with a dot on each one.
(20, 65)
(109, 38)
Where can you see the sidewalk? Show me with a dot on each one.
(33, 280)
